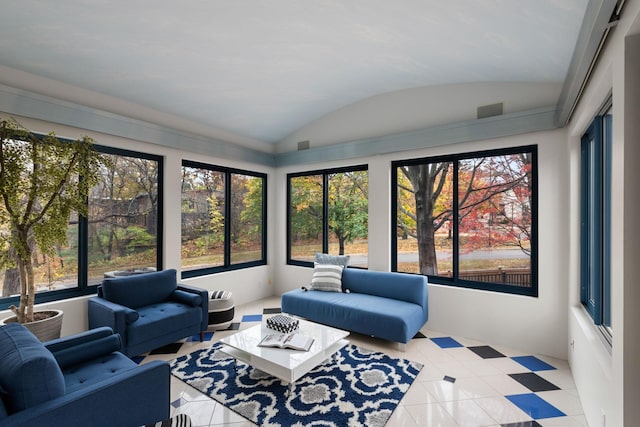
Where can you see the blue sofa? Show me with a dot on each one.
(149, 310)
(81, 380)
(392, 306)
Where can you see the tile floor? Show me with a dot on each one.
(463, 382)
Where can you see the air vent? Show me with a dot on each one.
(303, 145)
(490, 110)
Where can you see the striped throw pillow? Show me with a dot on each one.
(327, 277)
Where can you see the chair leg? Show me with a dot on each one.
(201, 336)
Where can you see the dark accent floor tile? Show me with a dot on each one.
(535, 406)
(235, 326)
(419, 335)
(534, 382)
(449, 379)
(446, 342)
(486, 352)
(168, 349)
(533, 363)
(523, 424)
(272, 310)
(208, 336)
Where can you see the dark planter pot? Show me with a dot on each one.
(45, 329)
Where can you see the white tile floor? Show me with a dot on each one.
(476, 398)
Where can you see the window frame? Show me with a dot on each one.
(83, 287)
(227, 265)
(325, 207)
(595, 220)
(454, 159)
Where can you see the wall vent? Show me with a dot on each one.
(491, 110)
(303, 145)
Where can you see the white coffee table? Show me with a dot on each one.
(287, 365)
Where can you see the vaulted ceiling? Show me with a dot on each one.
(260, 70)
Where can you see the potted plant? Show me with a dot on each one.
(43, 180)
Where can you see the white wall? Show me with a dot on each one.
(534, 324)
(608, 377)
(419, 108)
(246, 284)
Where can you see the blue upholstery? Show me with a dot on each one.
(392, 306)
(77, 380)
(29, 373)
(149, 310)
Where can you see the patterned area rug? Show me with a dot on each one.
(356, 387)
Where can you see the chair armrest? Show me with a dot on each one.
(188, 298)
(204, 304)
(87, 351)
(133, 397)
(77, 339)
(103, 312)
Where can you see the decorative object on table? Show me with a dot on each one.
(282, 323)
(221, 309)
(149, 310)
(78, 380)
(355, 387)
(38, 198)
(290, 341)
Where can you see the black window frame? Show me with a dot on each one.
(83, 286)
(454, 281)
(325, 207)
(227, 265)
(595, 220)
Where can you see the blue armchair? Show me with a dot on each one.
(77, 380)
(149, 310)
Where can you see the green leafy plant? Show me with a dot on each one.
(42, 181)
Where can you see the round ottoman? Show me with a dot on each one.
(221, 309)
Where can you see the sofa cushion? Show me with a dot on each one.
(327, 277)
(29, 374)
(96, 370)
(166, 317)
(141, 289)
(342, 260)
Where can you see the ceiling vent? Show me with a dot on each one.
(303, 145)
(490, 110)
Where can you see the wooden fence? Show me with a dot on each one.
(508, 276)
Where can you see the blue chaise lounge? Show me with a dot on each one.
(392, 306)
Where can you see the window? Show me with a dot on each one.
(595, 221)
(121, 234)
(223, 219)
(468, 219)
(329, 213)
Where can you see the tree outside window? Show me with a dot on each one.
(120, 234)
(223, 219)
(329, 212)
(468, 219)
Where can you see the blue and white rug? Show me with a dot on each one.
(356, 387)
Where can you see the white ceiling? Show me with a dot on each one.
(259, 69)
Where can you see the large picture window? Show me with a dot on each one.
(595, 221)
(468, 219)
(223, 219)
(329, 213)
(120, 236)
